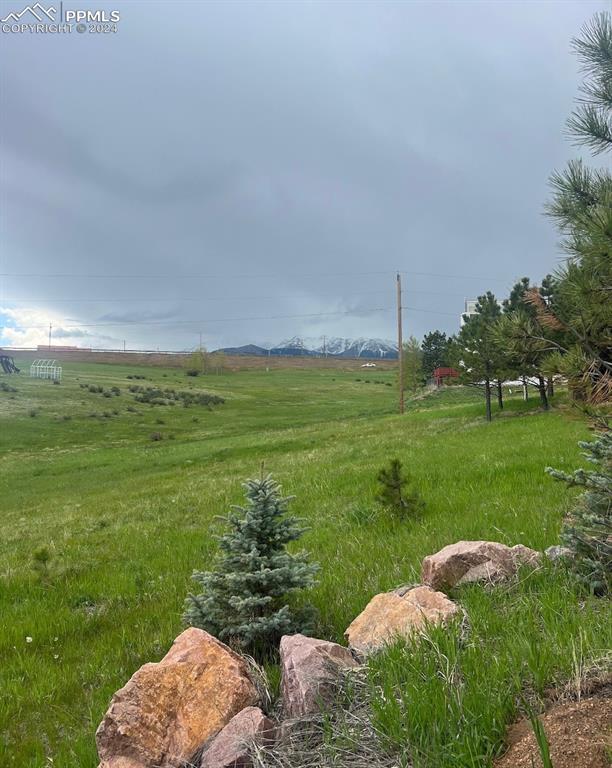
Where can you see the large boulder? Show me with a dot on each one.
(471, 561)
(310, 669)
(398, 614)
(230, 748)
(167, 710)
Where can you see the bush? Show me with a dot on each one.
(587, 530)
(395, 494)
(244, 600)
(41, 558)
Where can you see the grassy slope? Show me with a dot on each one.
(127, 519)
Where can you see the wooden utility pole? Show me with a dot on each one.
(399, 343)
(50, 327)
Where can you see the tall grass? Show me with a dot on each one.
(446, 699)
(124, 521)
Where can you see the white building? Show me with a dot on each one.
(470, 309)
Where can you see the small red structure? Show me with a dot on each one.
(441, 375)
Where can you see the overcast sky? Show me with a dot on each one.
(212, 164)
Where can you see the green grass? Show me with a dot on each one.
(126, 520)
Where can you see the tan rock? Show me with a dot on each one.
(167, 710)
(309, 672)
(230, 747)
(471, 561)
(400, 613)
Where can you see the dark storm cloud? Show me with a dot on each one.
(258, 160)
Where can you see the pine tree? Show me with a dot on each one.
(244, 600)
(476, 352)
(435, 352)
(394, 492)
(581, 314)
(587, 531)
(519, 335)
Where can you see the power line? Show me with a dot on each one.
(170, 323)
(201, 322)
(266, 276)
(217, 298)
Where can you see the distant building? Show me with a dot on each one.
(444, 375)
(470, 309)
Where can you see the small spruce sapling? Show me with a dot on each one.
(587, 530)
(395, 492)
(244, 600)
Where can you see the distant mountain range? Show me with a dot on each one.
(330, 347)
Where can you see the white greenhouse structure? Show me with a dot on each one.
(46, 369)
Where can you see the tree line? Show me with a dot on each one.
(562, 326)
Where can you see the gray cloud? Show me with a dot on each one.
(219, 161)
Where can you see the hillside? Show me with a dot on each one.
(102, 526)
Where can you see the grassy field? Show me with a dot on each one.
(125, 519)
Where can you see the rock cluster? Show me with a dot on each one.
(199, 705)
(167, 710)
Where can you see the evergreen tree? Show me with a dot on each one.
(591, 123)
(476, 351)
(395, 494)
(525, 350)
(582, 209)
(516, 299)
(412, 365)
(588, 529)
(243, 601)
(435, 352)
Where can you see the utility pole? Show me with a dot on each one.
(50, 327)
(324, 346)
(399, 343)
(200, 341)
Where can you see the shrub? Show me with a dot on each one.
(41, 558)
(395, 493)
(587, 530)
(244, 600)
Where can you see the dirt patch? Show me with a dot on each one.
(579, 734)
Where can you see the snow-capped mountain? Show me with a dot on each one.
(332, 346)
(335, 346)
